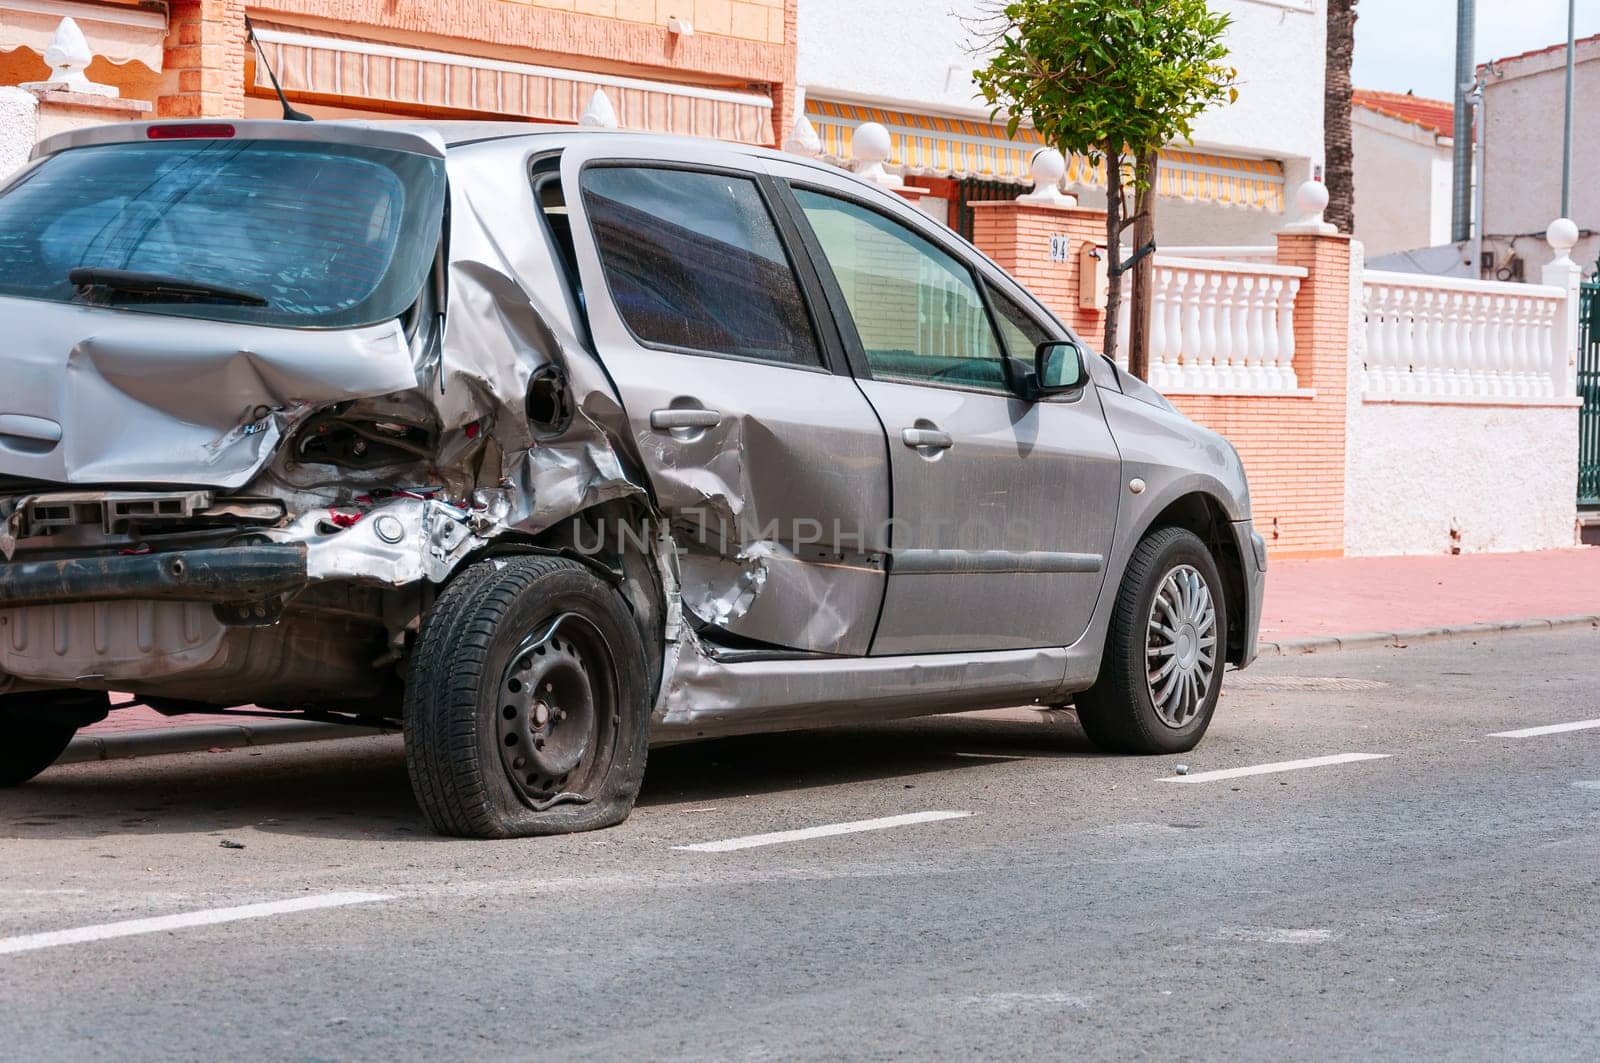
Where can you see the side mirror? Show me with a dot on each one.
(1057, 368)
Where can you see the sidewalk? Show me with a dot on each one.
(1309, 603)
(1365, 595)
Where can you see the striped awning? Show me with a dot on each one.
(371, 74)
(924, 145)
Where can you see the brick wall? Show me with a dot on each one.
(736, 42)
(1017, 236)
(1293, 446)
(204, 60)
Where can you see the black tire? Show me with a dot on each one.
(484, 690)
(1119, 713)
(36, 728)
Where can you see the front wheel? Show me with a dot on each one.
(527, 710)
(1162, 670)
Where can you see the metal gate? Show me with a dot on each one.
(974, 191)
(1589, 392)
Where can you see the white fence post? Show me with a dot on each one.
(1567, 275)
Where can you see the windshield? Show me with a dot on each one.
(323, 235)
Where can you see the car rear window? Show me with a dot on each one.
(328, 235)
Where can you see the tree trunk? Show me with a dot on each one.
(1144, 274)
(1113, 251)
(1340, 175)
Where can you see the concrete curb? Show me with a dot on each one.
(1399, 639)
(87, 748)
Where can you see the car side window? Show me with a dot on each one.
(1018, 329)
(695, 263)
(918, 309)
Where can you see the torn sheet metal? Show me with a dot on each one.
(402, 542)
(768, 593)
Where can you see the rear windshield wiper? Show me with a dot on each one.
(160, 285)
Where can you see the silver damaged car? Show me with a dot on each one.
(546, 445)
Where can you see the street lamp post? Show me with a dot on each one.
(1566, 136)
(1466, 71)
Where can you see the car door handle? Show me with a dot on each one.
(926, 438)
(666, 420)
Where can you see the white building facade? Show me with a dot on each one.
(1523, 110)
(1403, 172)
(908, 64)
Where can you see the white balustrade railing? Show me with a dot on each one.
(1440, 338)
(1220, 327)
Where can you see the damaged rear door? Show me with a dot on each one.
(771, 465)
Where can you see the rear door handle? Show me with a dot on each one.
(666, 420)
(926, 438)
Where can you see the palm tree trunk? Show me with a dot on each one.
(1337, 146)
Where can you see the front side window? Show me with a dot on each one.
(258, 231)
(917, 309)
(1021, 333)
(694, 262)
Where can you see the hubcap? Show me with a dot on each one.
(549, 720)
(1181, 646)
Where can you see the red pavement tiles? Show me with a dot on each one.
(1364, 595)
(1338, 596)
(142, 719)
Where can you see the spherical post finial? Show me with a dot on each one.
(1563, 236)
(1311, 200)
(870, 148)
(1047, 167)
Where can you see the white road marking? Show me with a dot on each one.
(997, 1003)
(829, 831)
(990, 756)
(1588, 784)
(1273, 769)
(211, 917)
(1272, 935)
(1552, 729)
(1304, 682)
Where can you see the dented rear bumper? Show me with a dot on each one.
(230, 574)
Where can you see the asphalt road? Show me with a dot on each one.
(1443, 901)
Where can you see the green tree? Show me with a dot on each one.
(1116, 80)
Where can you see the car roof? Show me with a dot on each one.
(431, 137)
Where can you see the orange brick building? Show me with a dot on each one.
(724, 68)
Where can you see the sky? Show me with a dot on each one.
(1410, 45)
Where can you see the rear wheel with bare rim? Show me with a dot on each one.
(1162, 670)
(527, 705)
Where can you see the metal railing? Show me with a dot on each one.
(1589, 392)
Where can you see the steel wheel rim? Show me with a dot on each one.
(1181, 646)
(557, 712)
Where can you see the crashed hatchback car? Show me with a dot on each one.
(547, 445)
